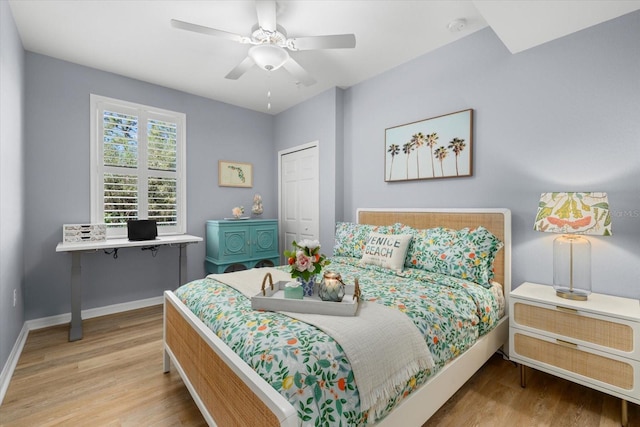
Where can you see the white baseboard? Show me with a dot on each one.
(12, 361)
(90, 313)
(45, 322)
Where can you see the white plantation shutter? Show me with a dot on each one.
(137, 166)
(120, 198)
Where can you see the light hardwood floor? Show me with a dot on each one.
(113, 377)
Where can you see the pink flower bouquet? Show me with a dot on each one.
(305, 259)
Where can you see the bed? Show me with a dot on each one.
(228, 391)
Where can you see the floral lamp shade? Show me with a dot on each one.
(573, 215)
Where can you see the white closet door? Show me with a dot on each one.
(299, 195)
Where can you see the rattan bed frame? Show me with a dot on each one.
(228, 392)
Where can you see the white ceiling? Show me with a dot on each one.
(135, 39)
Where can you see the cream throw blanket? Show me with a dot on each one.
(382, 344)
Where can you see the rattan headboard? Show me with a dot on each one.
(498, 221)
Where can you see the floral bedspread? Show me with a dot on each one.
(309, 368)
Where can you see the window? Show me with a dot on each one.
(137, 166)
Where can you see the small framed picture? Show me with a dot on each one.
(235, 174)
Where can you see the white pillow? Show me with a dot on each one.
(386, 250)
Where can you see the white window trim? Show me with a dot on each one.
(97, 103)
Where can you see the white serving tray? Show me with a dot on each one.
(272, 299)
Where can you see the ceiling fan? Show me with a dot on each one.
(271, 44)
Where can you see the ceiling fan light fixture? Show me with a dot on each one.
(268, 56)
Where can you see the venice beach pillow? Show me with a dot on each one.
(386, 250)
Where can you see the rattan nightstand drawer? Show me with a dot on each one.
(572, 324)
(569, 357)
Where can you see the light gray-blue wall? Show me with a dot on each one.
(57, 182)
(318, 119)
(12, 143)
(563, 116)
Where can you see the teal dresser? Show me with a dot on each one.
(241, 244)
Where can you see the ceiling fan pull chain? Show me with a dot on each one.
(269, 91)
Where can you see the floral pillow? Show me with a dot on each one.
(467, 253)
(386, 250)
(477, 247)
(426, 247)
(351, 237)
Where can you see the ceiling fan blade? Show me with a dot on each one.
(298, 72)
(240, 69)
(337, 41)
(206, 30)
(266, 10)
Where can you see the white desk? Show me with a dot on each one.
(77, 248)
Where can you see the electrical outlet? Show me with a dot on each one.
(15, 297)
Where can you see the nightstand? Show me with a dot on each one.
(594, 343)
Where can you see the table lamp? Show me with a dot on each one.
(573, 215)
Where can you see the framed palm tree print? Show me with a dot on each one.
(439, 147)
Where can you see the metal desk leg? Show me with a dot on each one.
(182, 266)
(75, 330)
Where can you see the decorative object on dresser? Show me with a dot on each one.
(257, 208)
(238, 245)
(573, 215)
(237, 212)
(594, 343)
